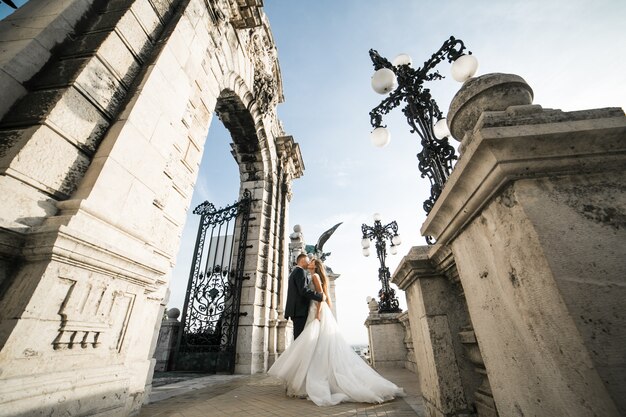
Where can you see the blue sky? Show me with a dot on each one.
(571, 54)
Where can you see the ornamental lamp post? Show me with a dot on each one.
(404, 85)
(388, 303)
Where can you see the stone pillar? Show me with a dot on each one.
(437, 315)
(534, 214)
(166, 343)
(291, 167)
(386, 338)
(285, 335)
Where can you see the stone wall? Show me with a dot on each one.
(533, 215)
(106, 107)
(438, 316)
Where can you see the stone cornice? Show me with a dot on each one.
(525, 142)
(383, 318)
(415, 265)
(72, 247)
(290, 153)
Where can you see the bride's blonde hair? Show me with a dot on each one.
(320, 270)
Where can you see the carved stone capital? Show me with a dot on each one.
(290, 156)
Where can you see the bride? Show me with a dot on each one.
(320, 365)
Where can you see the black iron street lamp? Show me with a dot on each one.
(404, 84)
(388, 303)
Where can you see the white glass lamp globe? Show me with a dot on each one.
(365, 243)
(366, 252)
(440, 129)
(464, 68)
(380, 137)
(402, 59)
(396, 240)
(393, 250)
(384, 81)
(377, 217)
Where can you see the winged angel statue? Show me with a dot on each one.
(317, 250)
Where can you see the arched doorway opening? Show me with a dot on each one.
(207, 281)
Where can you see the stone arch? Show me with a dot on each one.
(147, 77)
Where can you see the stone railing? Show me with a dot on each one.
(518, 308)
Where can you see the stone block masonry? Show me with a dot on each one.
(107, 107)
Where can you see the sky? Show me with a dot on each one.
(571, 54)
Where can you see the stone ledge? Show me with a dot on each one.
(501, 153)
(416, 264)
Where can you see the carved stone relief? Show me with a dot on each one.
(92, 312)
(266, 77)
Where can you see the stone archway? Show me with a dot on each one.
(100, 150)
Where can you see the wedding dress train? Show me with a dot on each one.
(320, 365)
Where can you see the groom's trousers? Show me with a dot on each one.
(298, 326)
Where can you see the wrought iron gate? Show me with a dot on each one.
(210, 319)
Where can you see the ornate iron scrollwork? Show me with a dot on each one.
(210, 316)
(437, 155)
(388, 302)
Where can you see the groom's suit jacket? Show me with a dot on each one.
(299, 295)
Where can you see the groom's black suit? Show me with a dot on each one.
(299, 296)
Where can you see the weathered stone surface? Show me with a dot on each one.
(489, 92)
(90, 284)
(437, 314)
(509, 148)
(28, 36)
(386, 340)
(534, 214)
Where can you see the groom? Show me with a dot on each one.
(299, 295)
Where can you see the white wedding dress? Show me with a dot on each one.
(320, 365)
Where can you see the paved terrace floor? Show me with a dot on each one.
(260, 395)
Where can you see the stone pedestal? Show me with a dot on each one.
(166, 343)
(534, 214)
(437, 314)
(386, 339)
(281, 336)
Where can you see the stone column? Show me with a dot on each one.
(292, 167)
(386, 338)
(437, 315)
(277, 321)
(253, 332)
(283, 328)
(534, 214)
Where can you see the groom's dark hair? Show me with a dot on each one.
(302, 255)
